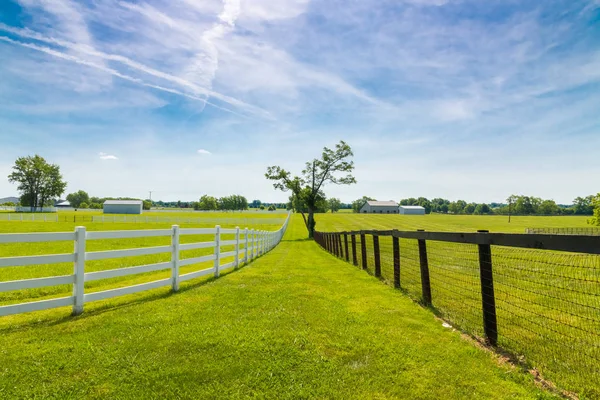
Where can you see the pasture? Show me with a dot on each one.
(296, 323)
(38, 271)
(547, 302)
(443, 222)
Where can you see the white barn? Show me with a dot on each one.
(122, 207)
(379, 207)
(412, 210)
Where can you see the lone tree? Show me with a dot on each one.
(38, 181)
(307, 188)
(595, 220)
(75, 199)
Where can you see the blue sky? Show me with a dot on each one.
(461, 99)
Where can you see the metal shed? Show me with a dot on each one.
(122, 207)
(380, 207)
(412, 210)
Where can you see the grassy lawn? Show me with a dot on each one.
(547, 303)
(440, 222)
(38, 271)
(297, 323)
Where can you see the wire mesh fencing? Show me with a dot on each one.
(536, 297)
(565, 231)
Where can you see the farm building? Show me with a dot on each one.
(63, 204)
(380, 207)
(122, 207)
(412, 210)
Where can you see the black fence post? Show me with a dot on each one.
(346, 246)
(488, 299)
(396, 245)
(340, 245)
(363, 250)
(425, 282)
(354, 255)
(327, 241)
(377, 255)
(336, 248)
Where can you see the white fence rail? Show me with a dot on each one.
(255, 243)
(185, 220)
(45, 217)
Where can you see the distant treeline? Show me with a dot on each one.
(515, 204)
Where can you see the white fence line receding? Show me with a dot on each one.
(256, 243)
(185, 220)
(32, 217)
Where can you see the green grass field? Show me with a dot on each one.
(16, 273)
(296, 323)
(547, 303)
(443, 223)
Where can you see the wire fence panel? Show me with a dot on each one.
(548, 306)
(410, 275)
(516, 292)
(564, 231)
(455, 284)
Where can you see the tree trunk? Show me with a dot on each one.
(311, 224)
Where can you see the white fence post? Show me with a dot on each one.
(175, 258)
(237, 247)
(217, 250)
(79, 270)
(254, 249)
(246, 252)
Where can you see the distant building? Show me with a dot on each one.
(122, 207)
(63, 204)
(380, 207)
(412, 210)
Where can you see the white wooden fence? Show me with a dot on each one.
(255, 243)
(45, 217)
(185, 220)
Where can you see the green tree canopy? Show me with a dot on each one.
(358, 204)
(595, 220)
(334, 204)
(307, 188)
(38, 181)
(207, 203)
(75, 199)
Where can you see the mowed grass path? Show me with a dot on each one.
(297, 323)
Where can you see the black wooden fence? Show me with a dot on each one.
(536, 296)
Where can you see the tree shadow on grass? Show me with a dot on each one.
(298, 240)
(49, 320)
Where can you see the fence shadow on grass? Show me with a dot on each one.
(33, 320)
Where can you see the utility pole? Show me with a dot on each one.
(150, 196)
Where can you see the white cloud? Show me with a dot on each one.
(104, 156)
(203, 151)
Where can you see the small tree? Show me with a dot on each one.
(147, 204)
(37, 181)
(334, 204)
(595, 220)
(208, 203)
(272, 207)
(307, 189)
(358, 204)
(84, 205)
(75, 199)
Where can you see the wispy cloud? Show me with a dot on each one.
(443, 84)
(105, 156)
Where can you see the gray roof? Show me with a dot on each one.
(63, 203)
(136, 202)
(413, 207)
(383, 203)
